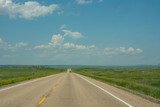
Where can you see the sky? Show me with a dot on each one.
(80, 32)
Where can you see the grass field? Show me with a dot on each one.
(144, 80)
(12, 74)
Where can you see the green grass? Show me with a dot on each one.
(12, 74)
(143, 80)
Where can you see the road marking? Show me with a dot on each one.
(42, 100)
(105, 91)
(3, 89)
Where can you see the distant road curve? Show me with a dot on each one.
(69, 90)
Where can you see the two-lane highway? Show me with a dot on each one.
(69, 90)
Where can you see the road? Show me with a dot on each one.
(68, 90)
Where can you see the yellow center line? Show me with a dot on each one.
(42, 100)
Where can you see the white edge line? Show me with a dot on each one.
(105, 91)
(34, 80)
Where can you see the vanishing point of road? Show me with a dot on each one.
(69, 90)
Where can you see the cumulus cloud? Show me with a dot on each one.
(122, 50)
(75, 46)
(64, 26)
(83, 1)
(21, 44)
(56, 40)
(27, 10)
(2, 43)
(74, 35)
(58, 47)
(7, 46)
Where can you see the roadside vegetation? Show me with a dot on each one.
(12, 74)
(142, 80)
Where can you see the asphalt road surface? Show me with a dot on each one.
(68, 90)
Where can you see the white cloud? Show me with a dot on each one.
(74, 35)
(57, 39)
(12, 47)
(122, 50)
(27, 10)
(83, 1)
(75, 46)
(64, 26)
(2, 43)
(57, 43)
(58, 49)
(21, 44)
(42, 47)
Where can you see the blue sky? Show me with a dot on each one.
(85, 32)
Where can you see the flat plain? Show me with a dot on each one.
(60, 87)
(142, 80)
(13, 74)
